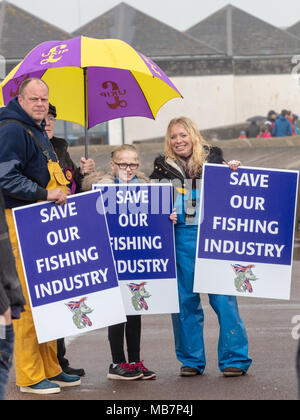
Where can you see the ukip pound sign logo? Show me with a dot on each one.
(113, 91)
(55, 54)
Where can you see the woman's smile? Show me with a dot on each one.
(181, 143)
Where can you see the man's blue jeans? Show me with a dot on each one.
(6, 357)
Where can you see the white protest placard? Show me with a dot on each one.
(69, 268)
(142, 239)
(246, 232)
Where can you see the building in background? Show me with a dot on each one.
(174, 51)
(262, 61)
(294, 29)
(228, 67)
(20, 32)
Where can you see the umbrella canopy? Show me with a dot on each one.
(93, 80)
(257, 118)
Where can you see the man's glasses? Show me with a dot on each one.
(124, 166)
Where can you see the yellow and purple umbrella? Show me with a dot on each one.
(93, 80)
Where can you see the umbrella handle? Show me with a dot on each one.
(86, 139)
(86, 142)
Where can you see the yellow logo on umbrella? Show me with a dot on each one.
(152, 65)
(51, 56)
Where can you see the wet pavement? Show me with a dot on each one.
(272, 347)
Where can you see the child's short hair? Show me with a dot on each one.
(123, 148)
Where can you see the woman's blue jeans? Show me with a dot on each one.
(6, 357)
(188, 324)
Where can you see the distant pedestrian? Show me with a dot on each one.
(271, 119)
(296, 126)
(282, 126)
(252, 130)
(264, 133)
(242, 135)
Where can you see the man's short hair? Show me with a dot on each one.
(26, 82)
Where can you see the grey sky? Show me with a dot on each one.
(181, 14)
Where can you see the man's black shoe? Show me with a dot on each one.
(70, 371)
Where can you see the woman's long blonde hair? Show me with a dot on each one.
(200, 152)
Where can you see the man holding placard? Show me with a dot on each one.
(29, 173)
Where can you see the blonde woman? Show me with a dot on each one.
(185, 153)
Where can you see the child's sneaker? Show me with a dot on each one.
(147, 374)
(124, 371)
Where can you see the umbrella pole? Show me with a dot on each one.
(86, 140)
